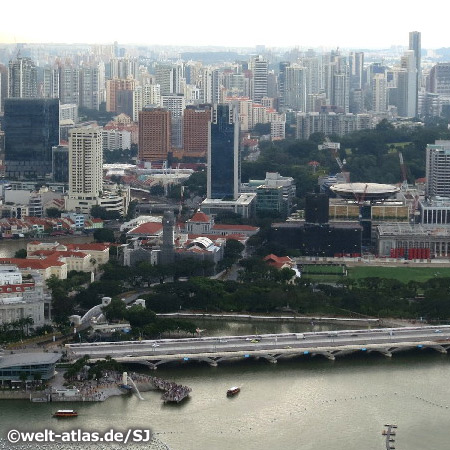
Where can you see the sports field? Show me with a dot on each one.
(403, 274)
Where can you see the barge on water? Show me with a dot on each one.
(65, 413)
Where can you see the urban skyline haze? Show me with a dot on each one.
(344, 24)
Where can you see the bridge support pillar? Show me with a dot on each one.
(438, 348)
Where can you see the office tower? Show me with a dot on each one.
(69, 84)
(175, 104)
(31, 130)
(210, 85)
(50, 87)
(3, 86)
(154, 134)
(196, 126)
(356, 66)
(223, 154)
(113, 88)
(260, 74)
(60, 164)
(91, 85)
(408, 63)
(295, 88)
(416, 47)
(85, 163)
(439, 79)
(22, 78)
(437, 170)
(379, 93)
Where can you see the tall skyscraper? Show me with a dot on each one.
(22, 78)
(69, 84)
(379, 93)
(260, 71)
(356, 62)
(91, 85)
(112, 91)
(176, 104)
(154, 134)
(196, 126)
(31, 130)
(223, 154)
(85, 163)
(408, 63)
(3, 86)
(50, 87)
(416, 46)
(437, 170)
(295, 88)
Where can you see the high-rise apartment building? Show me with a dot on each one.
(175, 104)
(154, 134)
(50, 86)
(439, 79)
(196, 125)
(437, 169)
(91, 85)
(260, 72)
(356, 63)
(22, 78)
(31, 130)
(295, 88)
(379, 93)
(123, 68)
(3, 86)
(85, 168)
(69, 84)
(223, 154)
(112, 92)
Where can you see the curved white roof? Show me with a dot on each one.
(368, 190)
(202, 242)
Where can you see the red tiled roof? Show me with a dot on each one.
(148, 228)
(35, 264)
(200, 217)
(221, 226)
(93, 246)
(278, 261)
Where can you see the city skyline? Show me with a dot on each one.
(330, 25)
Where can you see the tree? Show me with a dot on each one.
(22, 254)
(104, 235)
(53, 212)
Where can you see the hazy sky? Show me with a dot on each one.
(304, 23)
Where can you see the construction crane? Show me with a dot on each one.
(403, 167)
(334, 148)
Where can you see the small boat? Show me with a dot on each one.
(233, 391)
(65, 413)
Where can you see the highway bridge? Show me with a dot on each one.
(271, 347)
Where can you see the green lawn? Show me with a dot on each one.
(403, 274)
(322, 269)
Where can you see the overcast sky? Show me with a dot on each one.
(244, 23)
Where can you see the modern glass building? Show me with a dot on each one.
(60, 164)
(31, 130)
(223, 154)
(30, 364)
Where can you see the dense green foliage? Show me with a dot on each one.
(370, 155)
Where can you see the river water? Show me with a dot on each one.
(307, 403)
(303, 403)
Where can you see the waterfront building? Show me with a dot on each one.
(22, 296)
(31, 130)
(12, 367)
